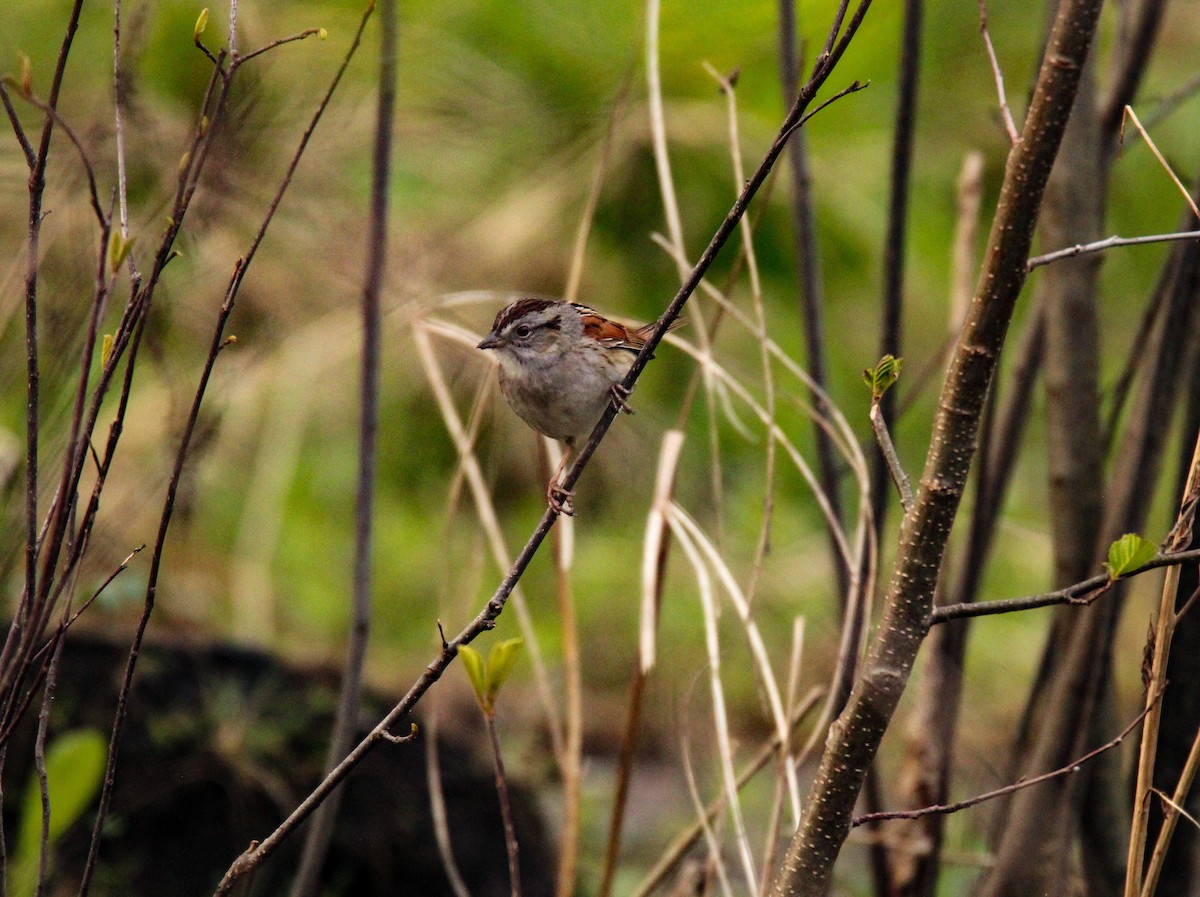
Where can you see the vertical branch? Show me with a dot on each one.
(510, 831)
(1164, 630)
(855, 737)
(320, 833)
(37, 187)
(891, 331)
(811, 287)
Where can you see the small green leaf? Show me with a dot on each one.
(883, 376)
(201, 24)
(106, 348)
(25, 79)
(501, 660)
(118, 250)
(1129, 553)
(322, 34)
(74, 769)
(473, 664)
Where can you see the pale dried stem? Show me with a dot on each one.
(486, 512)
(664, 481)
(1166, 166)
(1171, 817)
(683, 843)
(724, 745)
(836, 425)
(563, 539)
(1010, 126)
(1163, 632)
(758, 648)
(739, 178)
(579, 251)
(658, 136)
(704, 819)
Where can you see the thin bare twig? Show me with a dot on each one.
(1108, 243)
(279, 42)
(1079, 593)
(888, 450)
(1010, 126)
(510, 832)
(18, 131)
(1071, 767)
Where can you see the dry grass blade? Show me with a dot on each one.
(710, 611)
(848, 557)
(658, 133)
(702, 816)
(668, 461)
(739, 178)
(758, 648)
(1166, 166)
(487, 513)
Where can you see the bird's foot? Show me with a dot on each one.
(562, 501)
(619, 394)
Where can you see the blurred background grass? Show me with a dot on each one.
(503, 108)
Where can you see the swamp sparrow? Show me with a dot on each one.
(561, 364)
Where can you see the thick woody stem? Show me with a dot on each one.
(855, 736)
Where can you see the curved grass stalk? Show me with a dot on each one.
(758, 649)
(668, 461)
(710, 611)
(490, 523)
(702, 816)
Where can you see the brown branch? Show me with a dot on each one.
(811, 288)
(1072, 767)
(1079, 593)
(1010, 126)
(320, 833)
(18, 131)
(853, 741)
(1108, 243)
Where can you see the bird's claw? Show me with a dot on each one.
(619, 393)
(562, 501)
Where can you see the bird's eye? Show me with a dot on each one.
(523, 331)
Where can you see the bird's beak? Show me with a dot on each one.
(491, 341)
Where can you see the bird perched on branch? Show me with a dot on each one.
(561, 365)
